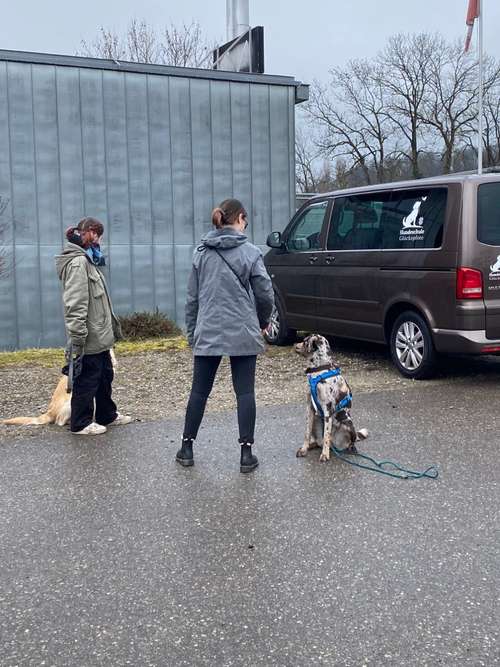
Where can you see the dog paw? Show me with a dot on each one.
(301, 452)
(324, 458)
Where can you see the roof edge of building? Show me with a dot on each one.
(34, 58)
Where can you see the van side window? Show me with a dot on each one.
(356, 222)
(397, 219)
(415, 218)
(306, 232)
(488, 213)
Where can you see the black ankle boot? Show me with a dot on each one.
(185, 454)
(248, 461)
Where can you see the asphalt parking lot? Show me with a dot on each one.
(113, 555)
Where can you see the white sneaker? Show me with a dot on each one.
(92, 429)
(121, 420)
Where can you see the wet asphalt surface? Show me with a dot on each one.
(111, 554)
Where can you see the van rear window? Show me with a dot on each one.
(488, 213)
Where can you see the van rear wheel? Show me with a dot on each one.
(278, 332)
(412, 349)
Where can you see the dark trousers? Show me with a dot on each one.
(243, 374)
(93, 384)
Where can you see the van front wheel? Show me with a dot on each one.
(412, 349)
(278, 332)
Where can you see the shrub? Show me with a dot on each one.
(138, 326)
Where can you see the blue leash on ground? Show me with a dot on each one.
(431, 472)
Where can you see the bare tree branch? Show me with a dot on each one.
(451, 107)
(352, 120)
(183, 46)
(404, 64)
(410, 112)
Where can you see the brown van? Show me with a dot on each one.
(414, 264)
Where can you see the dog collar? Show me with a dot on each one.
(325, 367)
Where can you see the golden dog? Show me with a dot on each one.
(59, 410)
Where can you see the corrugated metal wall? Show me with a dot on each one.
(149, 154)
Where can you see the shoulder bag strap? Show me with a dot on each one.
(245, 287)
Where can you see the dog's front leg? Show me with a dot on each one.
(309, 436)
(327, 439)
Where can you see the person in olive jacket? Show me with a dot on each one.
(92, 329)
(230, 298)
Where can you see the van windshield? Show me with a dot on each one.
(488, 213)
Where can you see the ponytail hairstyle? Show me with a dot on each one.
(73, 236)
(227, 213)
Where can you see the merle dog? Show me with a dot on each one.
(328, 401)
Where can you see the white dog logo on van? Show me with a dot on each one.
(412, 220)
(495, 268)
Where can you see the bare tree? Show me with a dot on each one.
(491, 116)
(406, 77)
(491, 131)
(342, 174)
(106, 45)
(305, 158)
(410, 112)
(313, 172)
(450, 108)
(183, 46)
(351, 115)
(142, 43)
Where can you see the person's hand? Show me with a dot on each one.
(74, 363)
(265, 330)
(73, 350)
(78, 350)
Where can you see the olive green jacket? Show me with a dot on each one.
(88, 314)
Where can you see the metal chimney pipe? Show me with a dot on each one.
(237, 18)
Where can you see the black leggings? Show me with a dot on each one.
(243, 374)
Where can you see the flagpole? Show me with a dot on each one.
(480, 99)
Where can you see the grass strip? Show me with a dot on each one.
(49, 357)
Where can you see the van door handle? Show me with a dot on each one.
(313, 259)
(330, 259)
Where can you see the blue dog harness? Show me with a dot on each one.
(313, 385)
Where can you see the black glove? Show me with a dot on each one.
(74, 357)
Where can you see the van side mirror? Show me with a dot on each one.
(274, 240)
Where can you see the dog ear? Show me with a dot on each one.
(313, 343)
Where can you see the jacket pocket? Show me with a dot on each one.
(97, 301)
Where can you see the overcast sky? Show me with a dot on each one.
(302, 38)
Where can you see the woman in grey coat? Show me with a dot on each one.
(229, 302)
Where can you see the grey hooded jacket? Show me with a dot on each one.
(227, 306)
(88, 314)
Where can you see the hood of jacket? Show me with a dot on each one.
(227, 237)
(70, 251)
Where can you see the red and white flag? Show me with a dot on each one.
(472, 14)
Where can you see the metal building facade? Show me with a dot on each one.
(148, 150)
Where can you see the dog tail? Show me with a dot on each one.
(42, 419)
(362, 434)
